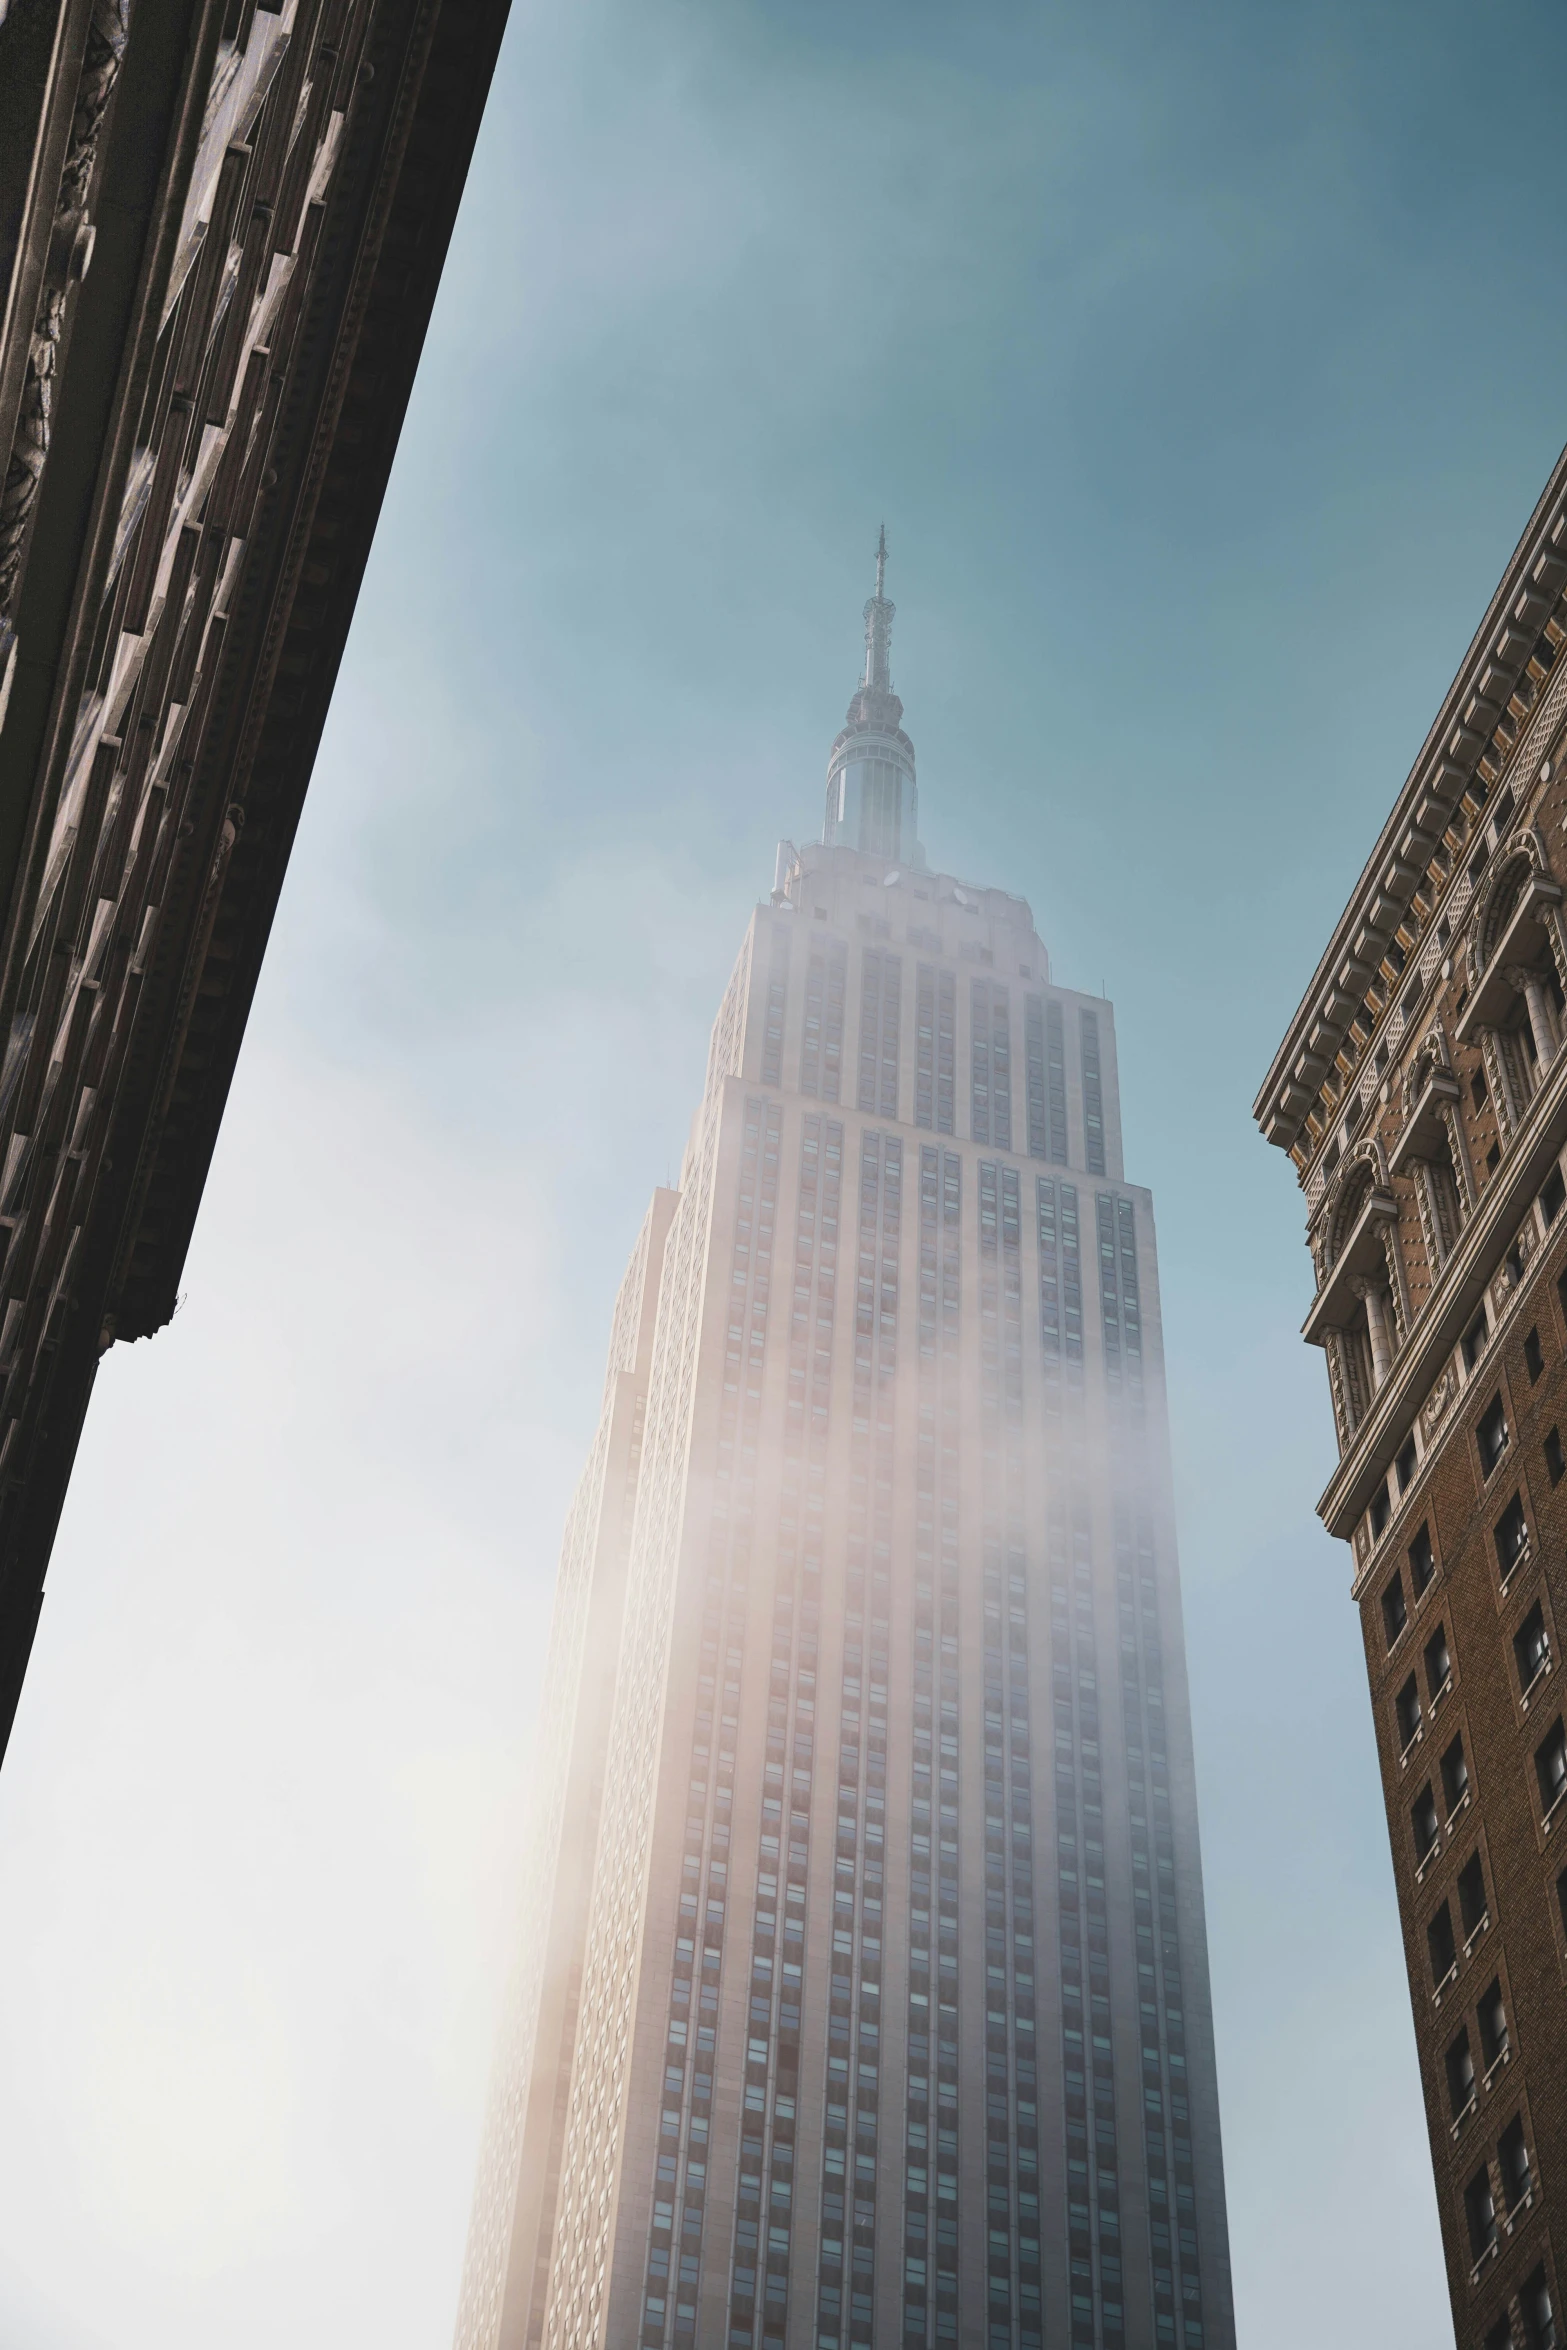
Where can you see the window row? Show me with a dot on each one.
(1018, 1096)
(1498, 2194)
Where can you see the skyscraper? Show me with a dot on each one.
(865, 1997)
(1421, 1092)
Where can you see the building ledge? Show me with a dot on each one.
(1424, 1133)
(1361, 1257)
(1524, 939)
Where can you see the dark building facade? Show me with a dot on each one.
(1422, 1095)
(222, 223)
(864, 1995)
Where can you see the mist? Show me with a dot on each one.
(1146, 335)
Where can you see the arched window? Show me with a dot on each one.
(1514, 1006)
(1430, 1147)
(1359, 1311)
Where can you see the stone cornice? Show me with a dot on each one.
(1463, 1283)
(1449, 757)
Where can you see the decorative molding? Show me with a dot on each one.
(1341, 1202)
(1475, 724)
(1499, 1078)
(1441, 1395)
(1466, 1277)
(1463, 1165)
(1522, 853)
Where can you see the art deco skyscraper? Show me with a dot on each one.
(866, 1996)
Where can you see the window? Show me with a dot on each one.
(1512, 2156)
(1500, 2336)
(1093, 1105)
(1555, 1460)
(1491, 2015)
(1460, 2075)
(1539, 2314)
(1491, 1434)
(1477, 1092)
(1455, 1776)
(1511, 1536)
(1532, 1356)
(1473, 1907)
(1439, 1662)
(1381, 1511)
(1493, 1158)
(1442, 1947)
(1550, 1763)
(1554, 1197)
(1407, 1708)
(1422, 1561)
(1405, 1466)
(1475, 1339)
(1531, 1649)
(1395, 1615)
(1423, 1820)
(1480, 2212)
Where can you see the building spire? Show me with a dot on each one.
(877, 677)
(872, 802)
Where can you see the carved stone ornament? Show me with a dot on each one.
(1345, 1196)
(70, 249)
(1505, 1282)
(1432, 1059)
(1522, 855)
(1440, 1397)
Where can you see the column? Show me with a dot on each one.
(1377, 1324)
(1531, 987)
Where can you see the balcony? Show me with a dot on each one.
(1362, 1256)
(1424, 1134)
(1524, 941)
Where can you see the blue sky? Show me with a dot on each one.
(1204, 365)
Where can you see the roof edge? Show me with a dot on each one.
(1444, 768)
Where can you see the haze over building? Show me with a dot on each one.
(865, 1989)
(1422, 1094)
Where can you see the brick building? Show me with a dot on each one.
(864, 1997)
(1422, 1094)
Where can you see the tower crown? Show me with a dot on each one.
(872, 795)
